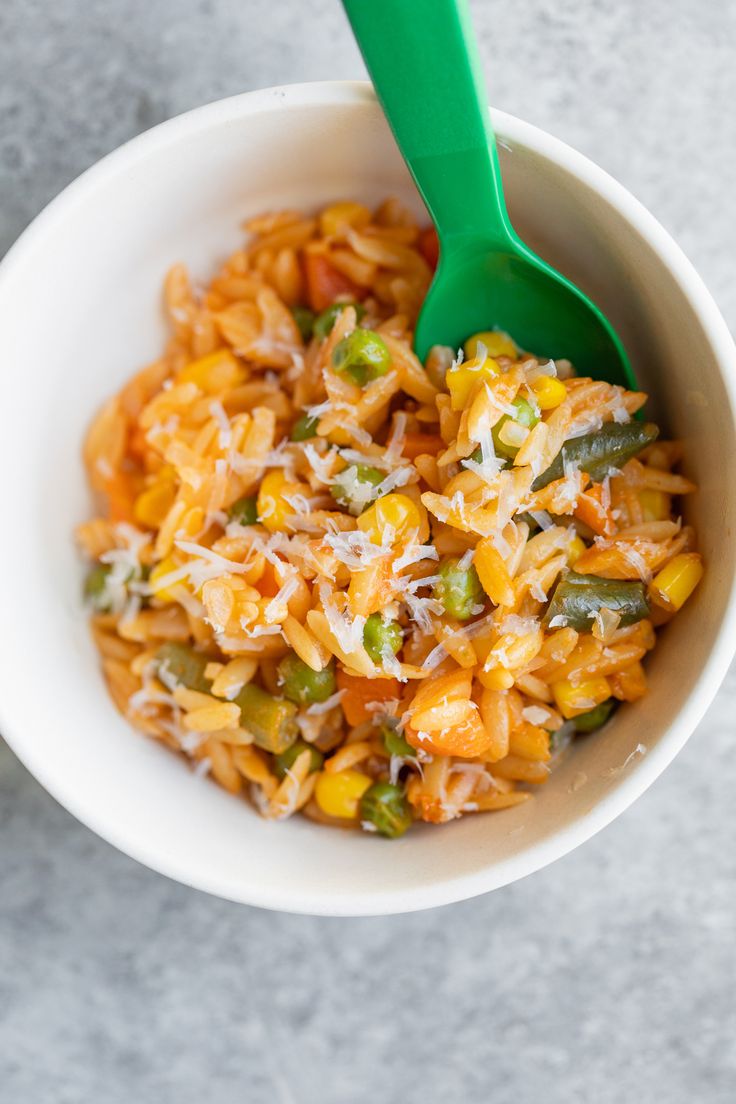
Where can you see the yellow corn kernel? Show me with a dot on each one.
(390, 518)
(271, 506)
(463, 379)
(572, 700)
(152, 505)
(496, 343)
(655, 505)
(339, 794)
(215, 372)
(164, 593)
(575, 549)
(674, 584)
(336, 217)
(548, 391)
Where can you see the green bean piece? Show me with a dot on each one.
(601, 453)
(382, 636)
(354, 487)
(525, 416)
(185, 666)
(395, 744)
(459, 589)
(271, 721)
(362, 356)
(594, 718)
(303, 685)
(304, 318)
(286, 759)
(304, 428)
(326, 320)
(385, 806)
(244, 511)
(578, 598)
(95, 588)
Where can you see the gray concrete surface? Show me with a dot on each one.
(609, 977)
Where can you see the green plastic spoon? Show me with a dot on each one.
(423, 61)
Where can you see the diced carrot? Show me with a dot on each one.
(324, 283)
(429, 246)
(360, 692)
(417, 443)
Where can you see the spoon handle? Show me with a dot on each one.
(423, 60)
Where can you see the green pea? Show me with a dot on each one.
(385, 805)
(271, 721)
(244, 511)
(285, 761)
(594, 718)
(95, 588)
(395, 744)
(353, 487)
(363, 356)
(525, 416)
(304, 318)
(184, 665)
(303, 685)
(304, 428)
(381, 636)
(459, 589)
(326, 320)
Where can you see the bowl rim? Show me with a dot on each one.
(643, 773)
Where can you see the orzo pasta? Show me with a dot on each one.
(349, 584)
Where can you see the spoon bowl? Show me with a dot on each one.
(511, 289)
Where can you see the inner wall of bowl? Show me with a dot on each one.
(95, 284)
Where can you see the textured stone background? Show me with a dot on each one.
(610, 976)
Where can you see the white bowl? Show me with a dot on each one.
(80, 311)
